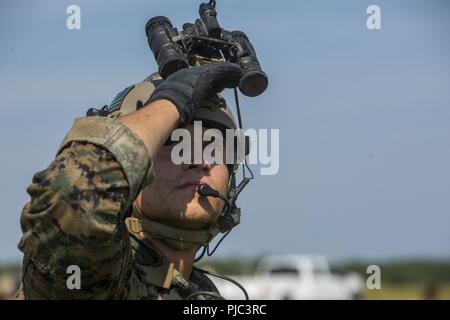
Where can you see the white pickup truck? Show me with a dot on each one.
(296, 277)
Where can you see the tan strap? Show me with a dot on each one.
(161, 231)
(176, 238)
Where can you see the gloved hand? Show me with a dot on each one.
(187, 88)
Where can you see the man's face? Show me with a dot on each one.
(172, 198)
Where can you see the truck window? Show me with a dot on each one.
(290, 271)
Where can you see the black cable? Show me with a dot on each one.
(205, 293)
(217, 245)
(227, 279)
(248, 168)
(201, 254)
(238, 110)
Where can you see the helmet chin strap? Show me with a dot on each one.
(183, 239)
(176, 238)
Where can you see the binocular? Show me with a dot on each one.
(204, 42)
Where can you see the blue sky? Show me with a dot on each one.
(364, 116)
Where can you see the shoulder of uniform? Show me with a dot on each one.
(126, 147)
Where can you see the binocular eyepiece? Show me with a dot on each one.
(204, 41)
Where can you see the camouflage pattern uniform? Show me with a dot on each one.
(77, 215)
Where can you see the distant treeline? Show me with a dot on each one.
(395, 272)
(9, 268)
(404, 271)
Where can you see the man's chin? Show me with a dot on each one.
(194, 212)
(195, 217)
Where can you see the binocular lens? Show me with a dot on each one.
(168, 54)
(253, 83)
(170, 62)
(172, 56)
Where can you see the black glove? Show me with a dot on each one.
(187, 88)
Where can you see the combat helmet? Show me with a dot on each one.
(214, 113)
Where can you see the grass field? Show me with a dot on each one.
(400, 280)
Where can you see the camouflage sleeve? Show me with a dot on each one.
(75, 216)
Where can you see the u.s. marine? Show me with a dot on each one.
(114, 204)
